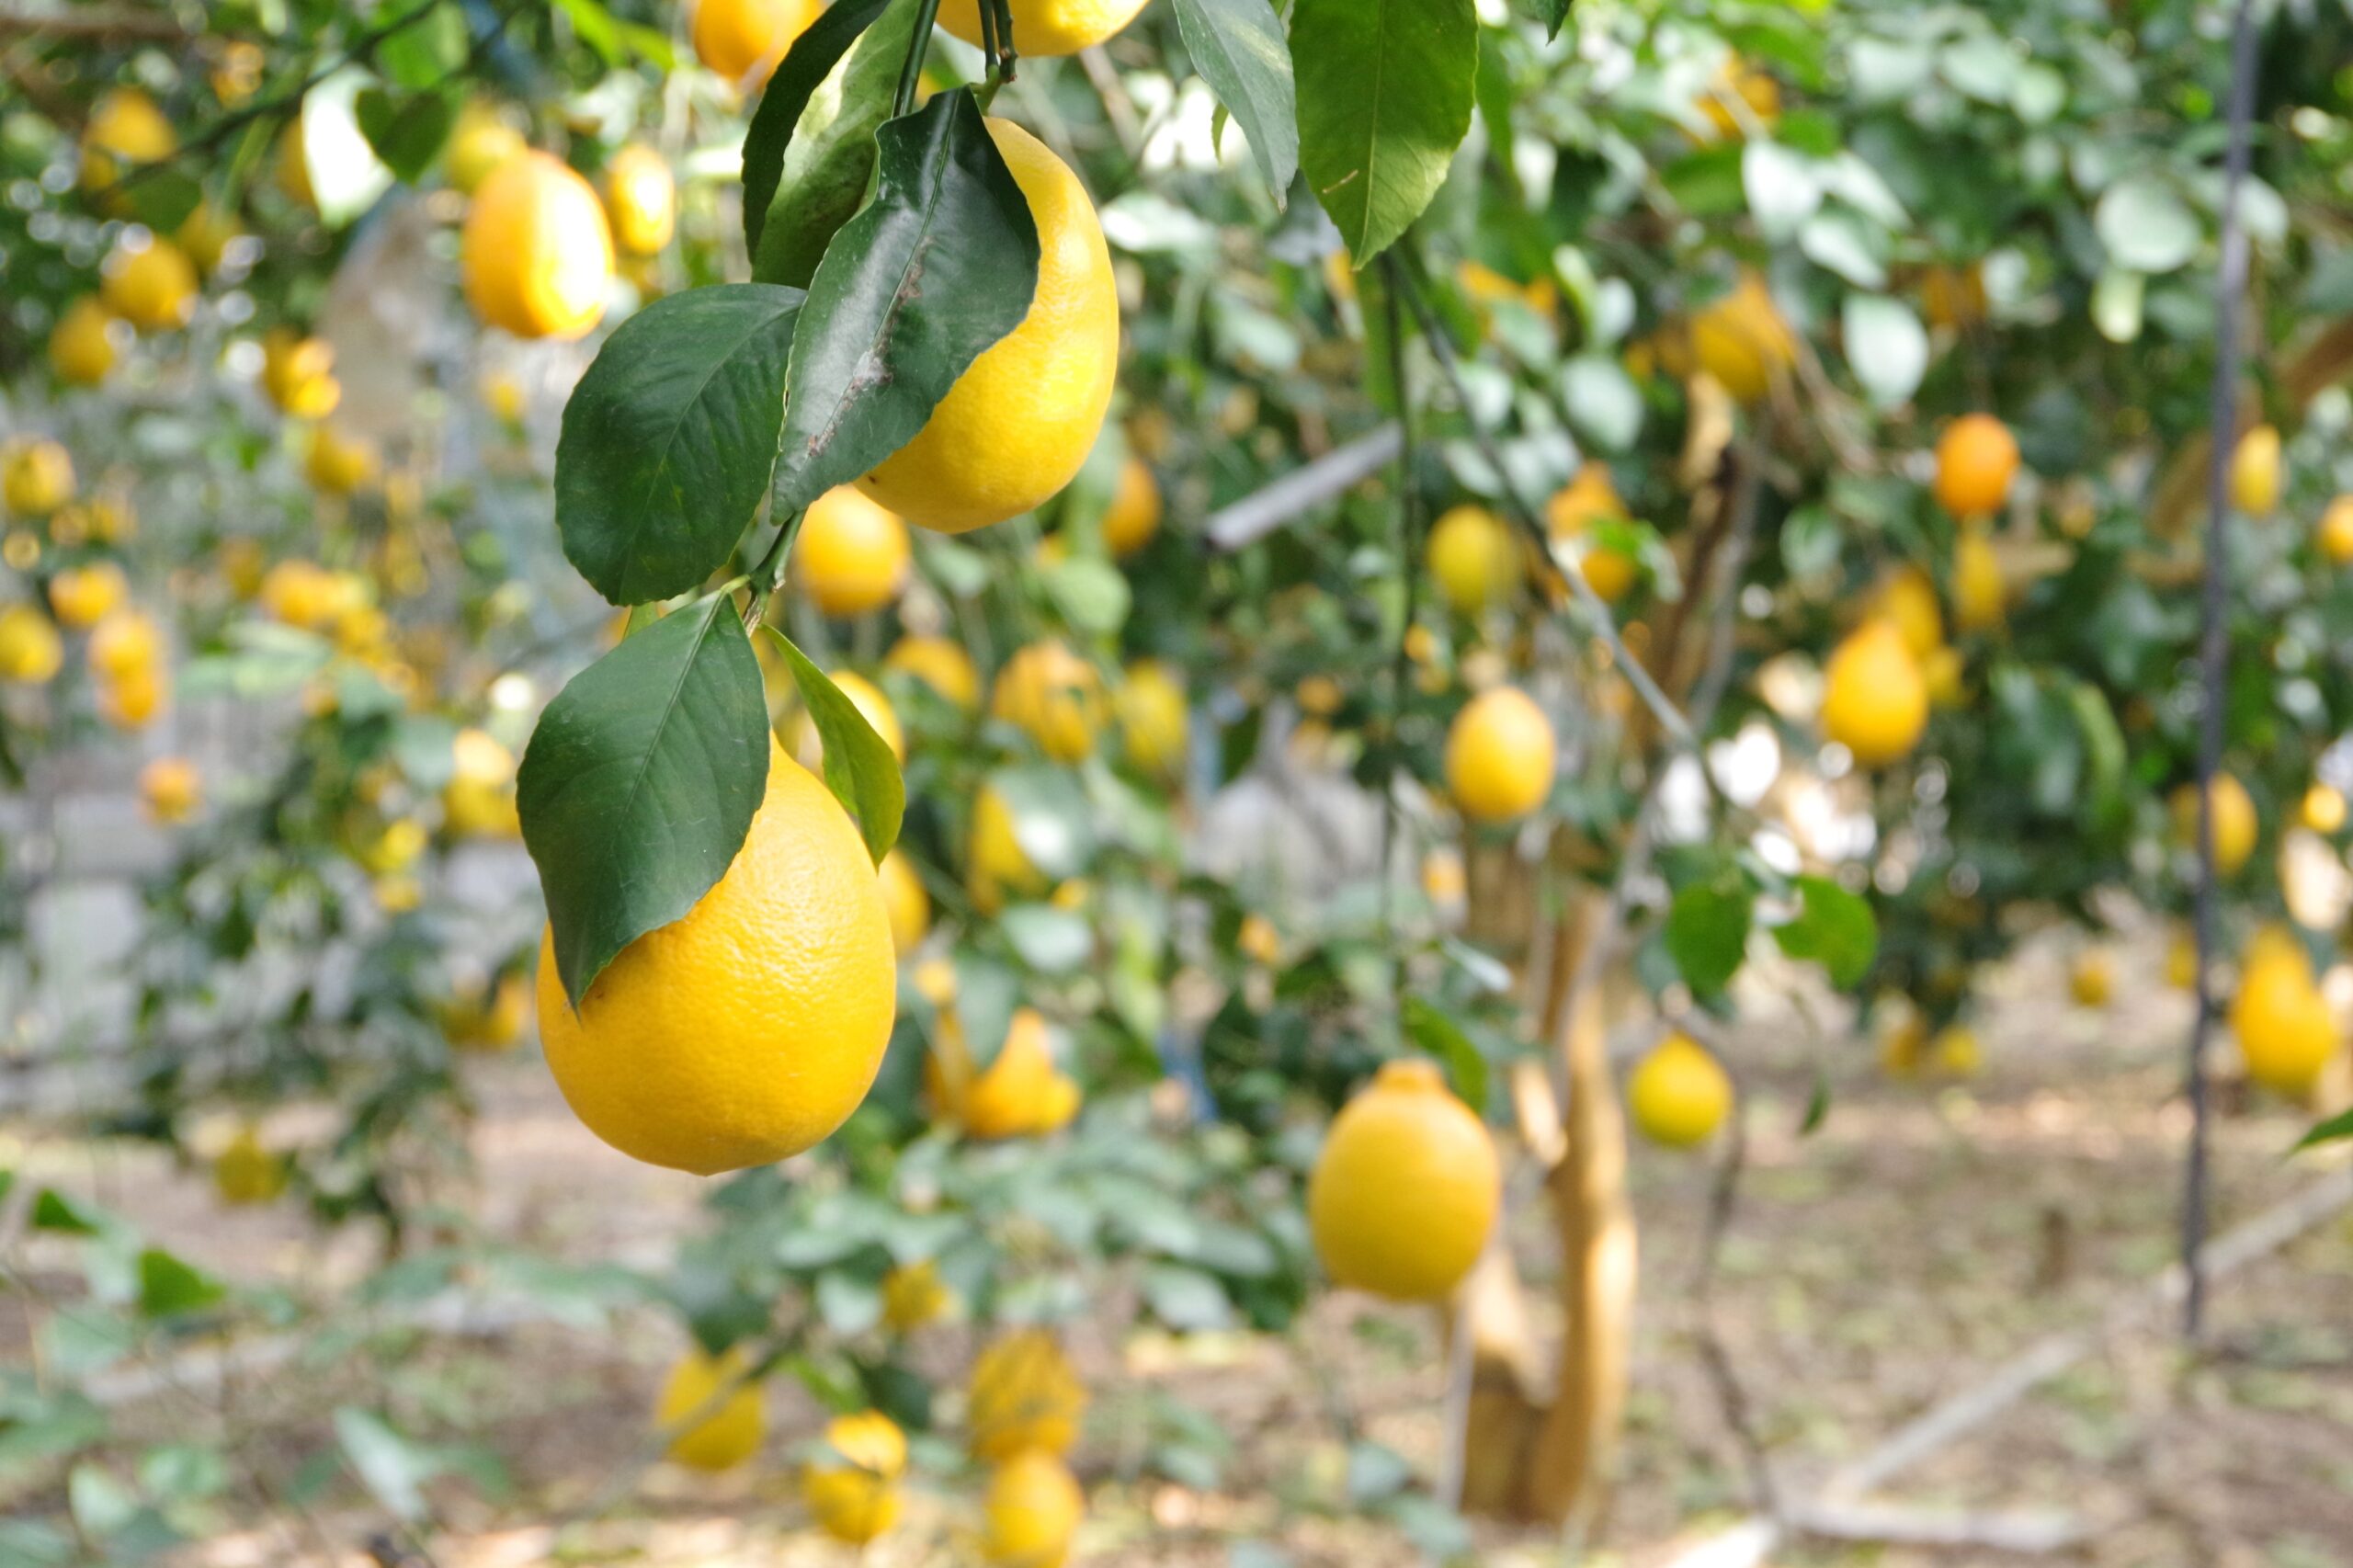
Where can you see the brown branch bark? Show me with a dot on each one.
(98, 23)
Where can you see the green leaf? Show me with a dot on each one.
(1466, 1064)
(1385, 89)
(167, 1285)
(1817, 1106)
(407, 135)
(860, 768)
(427, 51)
(1239, 48)
(938, 266)
(1186, 1300)
(810, 151)
(1834, 929)
(53, 1210)
(669, 439)
(394, 1469)
(641, 781)
(1707, 932)
(2334, 1129)
(987, 993)
(164, 198)
(1049, 941)
(1886, 345)
(346, 175)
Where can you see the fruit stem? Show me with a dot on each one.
(1006, 57)
(769, 573)
(911, 73)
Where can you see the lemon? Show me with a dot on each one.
(1500, 755)
(152, 286)
(995, 864)
(244, 1173)
(1032, 1509)
(125, 643)
(851, 555)
(479, 143)
(2323, 809)
(909, 906)
(31, 653)
(2285, 1033)
(1257, 940)
(1151, 708)
(1021, 1095)
(2336, 535)
(1406, 1188)
(2091, 980)
(1053, 694)
(125, 128)
(83, 596)
(36, 477)
(536, 253)
(1976, 459)
(1019, 424)
(939, 663)
(2235, 825)
(1875, 700)
(298, 374)
(852, 1492)
(1953, 296)
(488, 1018)
(1042, 27)
(1592, 497)
(338, 465)
(731, 1432)
(1025, 1397)
(913, 1295)
(1474, 558)
(1742, 341)
(1758, 94)
(733, 38)
(749, 1029)
(1978, 594)
(871, 705)
(132, 701)
(206, 234)
(81, 345)
(1908, 597)
(2255, 471)
(642, 199)
(479, 799)
(1678, 1094)
(1955, 1053)
(1133, 516)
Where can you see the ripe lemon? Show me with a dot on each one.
(31, 653)
(1500, 753)
(731, 1432)
(2335, 527)
(1025, 1398)
(851, 555)
(1022, 1095)
(913, 1295)
(1406, 1188)
(736, 37)
(1979, 596)
(2323, 809)
(206, 234)
(1475, 560)
(2282, 1022)
(1953, 296)
(1032, 1508)
(1592, 497)
(642, 199)
(1019, 424)
(132, 701)
(36, 477)
(1908, 597)
(125, 643)
(875, 708)
(1151, 708)
(1053, 694)
(995, 864)
(852, 1492)
(537, 253)
(479, 800)
(488, 1018)
(1042, 27)
(81, 345)
(1678, 1094)
(1257, 940)
(902, 896)
(939, 663)
(125, 128)
(244, 1173)
(298, 374)
(1134, 513)
(2092, 979)
(1875, 700)
(1742, 341)
(151, 287)
(2255, 471)
(83, 596)
(1758, 94)
(2235, 825)
(339, 465)
(1955, 1053)
(478, 144)
(1976, 458)
(751, 1028)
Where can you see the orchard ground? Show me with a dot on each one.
(1894, 1257)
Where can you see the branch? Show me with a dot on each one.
(101, 23)
(1303, 489)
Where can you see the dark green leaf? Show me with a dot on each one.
(53, 1210)
(1239, 48)
(860, 768)
(669, 438)
(1385, 89)
(425, 51)
(164, 198)
(2334, 1129)
(1706, 931)
(168, 1285)
(1832, 928)
(939, 266)
(406, 134)
(777, 124)
(1817, 1106)
(1466, 1064)
(639, 783)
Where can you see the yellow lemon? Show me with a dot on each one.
(851, 555)
(1134, 513)
(394, 849)
(1025, 1398)
(125, 128)
(730, 1433)
(1742, 341)
(1875, 700)
(206, 234)
(1953, 296)
(170, 789)
(1032, 1509)
(1042, 27)
(1021, 1095)
(2335, 527)
(1901, 1045)
(1018, 424)
(1943, 671)
(84, 595)
(1955, 1053)
(81, 345)
(1257, 940)
(1979, 596)
(1474, 558)
(1908, 597)
(488, 1018)
(31, 653)
(36, 477)
(902, 896)
(151, 287)
(124, 644)
(1405, 1187)
(733, 38)
(1758, 94)
(2324, 809)
(1053, 694)
(479, 143)
(1976, 458)
(913, 1295)
(1678, 1094)
(995, 864)
(941, 664)
(1152, 722)
(871, 705)
(1592, 497)
(1500, 754)
(244, 1173)
(642, 199)
(339, 465)
(298, 374)
(479, 800)
(852, 1492)
(2282, 1022)
(536, 253)
(2235, 825)
(2255, 471)
(749, 1029)
(132, 701)
(2092, 979)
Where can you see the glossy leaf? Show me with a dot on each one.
(1239, 48)
(669, 439)
(641, 781)
(1834, 929)
(407, 134)
(2335, 1129)
(860, 768)
(1466, 1065)
(809, 66)
(1385, 90)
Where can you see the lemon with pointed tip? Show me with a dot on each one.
(941, 664)
(737, 1418)
(1875, 699)
(536, 253)
(2285, 1032)
(1976, 459)
(81, 345)
(1032, 1508)
(2235, 823)
(642, 199)
(903, 896)
(1018, 424)
(1678, 1094)
(2255, 471)
(1500, 755)
(1024, 1397)
(1405, 1187)
(36, 477)
(852, 1491)
(1474, 558)
(851, 555)
(750, 1028)
(1133, 516)
(1054, 696)
(1022, 1094)
(1153, 717)
(152, 286)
